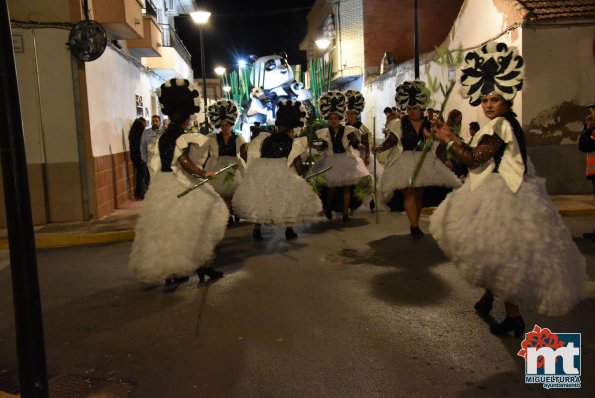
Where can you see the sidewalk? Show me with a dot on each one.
(119, 226)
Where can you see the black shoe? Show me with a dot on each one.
(230, 221)
(208, 271)
(484, 305)
(236, 219)
(345, 217)
(416, 233)
(290, 234)
(516, 325)
(329, 214)
(257, 235)
(372, 206)
(172, 284)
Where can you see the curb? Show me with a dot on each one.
(563, 212)
(56, 240)
(48, 241)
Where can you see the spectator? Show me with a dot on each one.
(430, 114)
(147, 141)
(391, 114)
(140, 167)
(586, 143)
(473, 129)
(454, 121)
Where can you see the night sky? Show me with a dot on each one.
(237, 29)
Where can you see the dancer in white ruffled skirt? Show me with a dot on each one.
(340, 145)
(272, 191)
(226, 148)
(404, 140)
(500, 229)
(175, 237)
(355, 106)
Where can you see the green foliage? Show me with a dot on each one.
(317, 183)
(364, 188)
(449, 58)
(229, 177)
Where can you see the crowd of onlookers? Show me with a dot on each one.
(454, 119)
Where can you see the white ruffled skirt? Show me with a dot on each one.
(175, 236)
(346, 170)
(226, 183)
(514, 244)
(433, 173)
(272, 193)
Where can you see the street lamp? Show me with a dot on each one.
(201, 18)
(322, 43)
(242, 63)
(219, 70)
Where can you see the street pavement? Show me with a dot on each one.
(353, 309)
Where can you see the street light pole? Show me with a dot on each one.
(201, 18)
(204, 77)
(30, 345)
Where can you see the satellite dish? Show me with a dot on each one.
(87, 40)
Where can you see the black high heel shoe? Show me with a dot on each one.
(416, 232)
(516, 325)
(257, 235)
(484, 305)
(290, 234)
(208, 271)
(172, 284)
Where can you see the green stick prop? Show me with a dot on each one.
(198, 184)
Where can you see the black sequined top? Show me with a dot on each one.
(167, 145)
(228, 149)
(276, 146)
(337, 139)
(411, 138)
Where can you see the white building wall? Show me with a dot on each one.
(112, 84)
(350, 56)
(560, 67)
(478, 21)
(560, 70)
(49, 98)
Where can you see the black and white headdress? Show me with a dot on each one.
(332, 102)
(180, 97)
(291, 114)
(412, 93)
(355, 101)
(223, 111)
(495, 68)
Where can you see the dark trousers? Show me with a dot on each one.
(141, 180)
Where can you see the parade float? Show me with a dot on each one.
(259, 85)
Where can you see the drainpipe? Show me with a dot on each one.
(80, 139)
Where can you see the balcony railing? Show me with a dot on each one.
(150, 9)
(171, 39)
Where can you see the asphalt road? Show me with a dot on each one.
(347, 310)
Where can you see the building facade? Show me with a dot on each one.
(556, 43)
(76, 115)
(556, 39)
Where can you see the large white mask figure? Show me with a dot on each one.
(276, 71)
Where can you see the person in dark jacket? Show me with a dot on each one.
(586, 143)
(140, 167)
